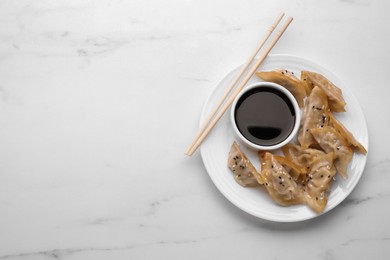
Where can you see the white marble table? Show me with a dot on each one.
(99, 99)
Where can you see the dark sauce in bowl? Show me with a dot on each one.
(265, 116)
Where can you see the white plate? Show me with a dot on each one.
(256, 201)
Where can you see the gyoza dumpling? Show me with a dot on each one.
(244, 172)
(315, 115)
(309, 85)
(346, 134)
(319, 181)
(301, 156)
(335, 95)
(331, 141)
(278, 182)
(290, 165)
(286, 79)
(296, 171)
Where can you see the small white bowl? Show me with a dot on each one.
(283, 92)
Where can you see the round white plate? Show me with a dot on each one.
(256, 201)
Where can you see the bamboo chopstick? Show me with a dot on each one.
(211, 125)
(235, 80)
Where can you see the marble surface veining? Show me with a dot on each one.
(99, 99)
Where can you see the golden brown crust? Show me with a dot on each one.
(243, 170)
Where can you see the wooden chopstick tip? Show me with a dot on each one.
(189, 150)
(289, 20)
(281, 14)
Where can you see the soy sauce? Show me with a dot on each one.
(265, 116)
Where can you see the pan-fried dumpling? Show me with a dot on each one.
(335, 95)
(315, 115)
(290, 165)
(278, 182)
(346, 134)
(309, 85)
(244, 172)
(286, 79)
(301, 156)
(296, 171)
(331, 141)
(319, 181)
